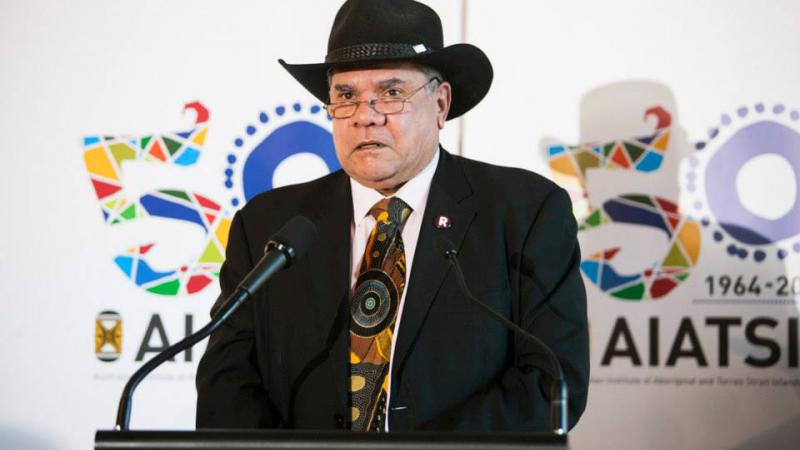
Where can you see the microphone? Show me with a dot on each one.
(558, 388)
(287, 245)
(283, 248)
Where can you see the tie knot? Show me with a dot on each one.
(392, 209)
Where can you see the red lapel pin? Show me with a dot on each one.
(442, 222)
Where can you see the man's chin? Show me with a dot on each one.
(385, 183)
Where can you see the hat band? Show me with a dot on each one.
(375, 51)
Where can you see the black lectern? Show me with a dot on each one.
(323, 440)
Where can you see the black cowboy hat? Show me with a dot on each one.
(366, 32)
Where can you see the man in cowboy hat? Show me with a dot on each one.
(371, 331)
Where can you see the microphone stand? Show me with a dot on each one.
(271, 262)
(558, 388)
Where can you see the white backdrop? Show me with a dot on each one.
(565, 73)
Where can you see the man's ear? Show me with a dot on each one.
(444, 93)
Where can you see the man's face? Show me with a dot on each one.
(383, 151)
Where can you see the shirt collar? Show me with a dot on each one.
(414, 192)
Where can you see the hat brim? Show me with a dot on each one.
(464, 66)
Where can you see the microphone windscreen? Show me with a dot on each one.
(299, 234)
(443, 246)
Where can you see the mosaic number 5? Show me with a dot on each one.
(104, 157)
(642, 154)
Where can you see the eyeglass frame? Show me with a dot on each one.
(372, 102)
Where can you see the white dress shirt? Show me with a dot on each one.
(415, 194)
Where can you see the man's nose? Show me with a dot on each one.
(366, 115)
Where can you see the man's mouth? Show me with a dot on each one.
(367, 145)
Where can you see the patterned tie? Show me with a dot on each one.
(373, 308)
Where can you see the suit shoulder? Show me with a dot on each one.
(293, 198)
(508, 182)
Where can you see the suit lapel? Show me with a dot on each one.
(448, 189)
(330, 277)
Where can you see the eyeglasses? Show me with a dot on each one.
(344, 110)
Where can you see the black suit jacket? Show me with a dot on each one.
(282, 359)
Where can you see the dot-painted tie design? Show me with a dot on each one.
(373, 308)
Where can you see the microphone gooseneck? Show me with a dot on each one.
(558, 388)
(286, 246)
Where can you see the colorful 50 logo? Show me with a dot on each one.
(760, 138)
(256, 160)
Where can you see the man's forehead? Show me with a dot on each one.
(379, 76)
